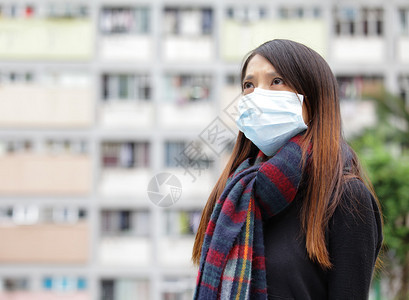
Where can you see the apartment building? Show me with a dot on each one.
(98, 97)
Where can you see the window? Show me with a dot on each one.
(108, 288)
(16, 77)
(141, 221)
(25, 214)
(354, 21)
(183, 88)
(48, 146)
(55, 146)
(81, 283)
(233, 80)
(345, 21)
(15, 146)
(246, 14)
(125, 154)
(404, 21)
(82, 214)
(182, 222)
(299, 13)
(404, 89)
(66, 79)
(66, 10)
(51, 146)
(15, 284)
(68, 214)
(124, 20)
(188, 21)
(191, 156)
(17, 11)
(126, 87)
(64, 283)
(126, 288)
(177, 295)
(354, 87)
(177, 288)
(6, 214)
(173, 151)
(125, 222)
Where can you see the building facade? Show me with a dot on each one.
(97, 98)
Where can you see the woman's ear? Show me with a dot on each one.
(305, 112)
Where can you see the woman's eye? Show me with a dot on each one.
(248, 85)
(277, 81)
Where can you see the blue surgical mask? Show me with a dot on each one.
(270, 118)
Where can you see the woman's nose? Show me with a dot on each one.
(263, 82)
(263, 85)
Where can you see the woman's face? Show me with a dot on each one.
(260, 73)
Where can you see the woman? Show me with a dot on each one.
(290, 216)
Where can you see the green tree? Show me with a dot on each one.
(382, 151)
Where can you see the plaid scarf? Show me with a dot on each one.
(232, 264)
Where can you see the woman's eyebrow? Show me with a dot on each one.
(248, 77)
(271, 74)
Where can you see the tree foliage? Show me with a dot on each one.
(383, 152)
(390, 177)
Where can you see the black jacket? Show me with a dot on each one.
(354, 237)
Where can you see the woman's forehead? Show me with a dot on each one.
(259, 65)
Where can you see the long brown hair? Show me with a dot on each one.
(306, 72)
